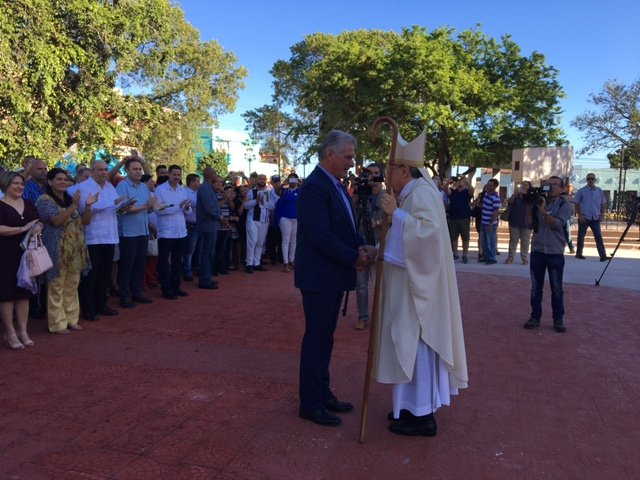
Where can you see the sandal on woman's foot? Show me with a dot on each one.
(13, 343)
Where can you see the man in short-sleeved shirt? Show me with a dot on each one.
(101, 236)
(172, 232)
(460, 217)
(590, 205)
(490, 207)
(133, 226)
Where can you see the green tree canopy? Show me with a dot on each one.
(216, 160)
(631, 156)
(272, 128)
(106, 73)
(478, 98)
(615, 122)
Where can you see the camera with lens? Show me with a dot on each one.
(364, 183)
(536, 193)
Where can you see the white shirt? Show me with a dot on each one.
(270, 200)
(192, 195)
(103, 228)
(171, 221)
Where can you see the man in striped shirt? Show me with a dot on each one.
(490, 208)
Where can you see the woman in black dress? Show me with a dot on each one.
(17, 216)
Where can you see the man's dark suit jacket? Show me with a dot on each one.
(207, 209)
(327, 242)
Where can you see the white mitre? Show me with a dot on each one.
(411, 154)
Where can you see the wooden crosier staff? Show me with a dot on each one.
(375, 313)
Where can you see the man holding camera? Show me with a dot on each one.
(369, 217)
(547, 252)
(460, 197)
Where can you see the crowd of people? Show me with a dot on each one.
(109, 233)
(122, 234)
(518, 211)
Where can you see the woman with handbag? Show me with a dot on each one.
(63, 236)
(17, 216)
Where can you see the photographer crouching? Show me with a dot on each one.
(369, 215)
(551, 212)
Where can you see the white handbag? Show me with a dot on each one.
(38, 259)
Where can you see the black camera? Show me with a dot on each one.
(364, 183)
(536, 193)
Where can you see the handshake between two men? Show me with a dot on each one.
(367, 255)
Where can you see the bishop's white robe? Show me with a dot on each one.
(421, 344)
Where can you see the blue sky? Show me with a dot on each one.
(588, 41)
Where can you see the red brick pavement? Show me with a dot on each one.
(205, 388)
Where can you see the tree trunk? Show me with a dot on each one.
(444, 155)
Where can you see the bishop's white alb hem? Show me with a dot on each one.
(428, 390)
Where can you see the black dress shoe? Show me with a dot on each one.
(248, 269)
(580, 257)
(108, 312)
(142, 299)
(169, 296)
(259, 268)
(181, 293)
(417, 426)
(604, 259)
(127, 303)
(531, 324)
(321, 417)
(335, 405)
(212, 286)
(559, 327)
(188, 278)
(91, 318)
(404, 415)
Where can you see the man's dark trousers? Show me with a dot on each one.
(133, 258)
(321, 311)
(207, 258)
(170, 253)
(221, 262)
(95, 285)
(540, 264)
(597, 234)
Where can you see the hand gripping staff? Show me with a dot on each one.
(373, 333)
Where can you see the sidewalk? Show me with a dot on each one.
(623, 272)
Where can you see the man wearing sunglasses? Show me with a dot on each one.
(590, 207)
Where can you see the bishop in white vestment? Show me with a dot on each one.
(421, 343)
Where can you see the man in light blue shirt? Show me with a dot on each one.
(133, 227)
(590, 206)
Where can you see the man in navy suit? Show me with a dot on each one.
(329, 250)
(207, 224)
